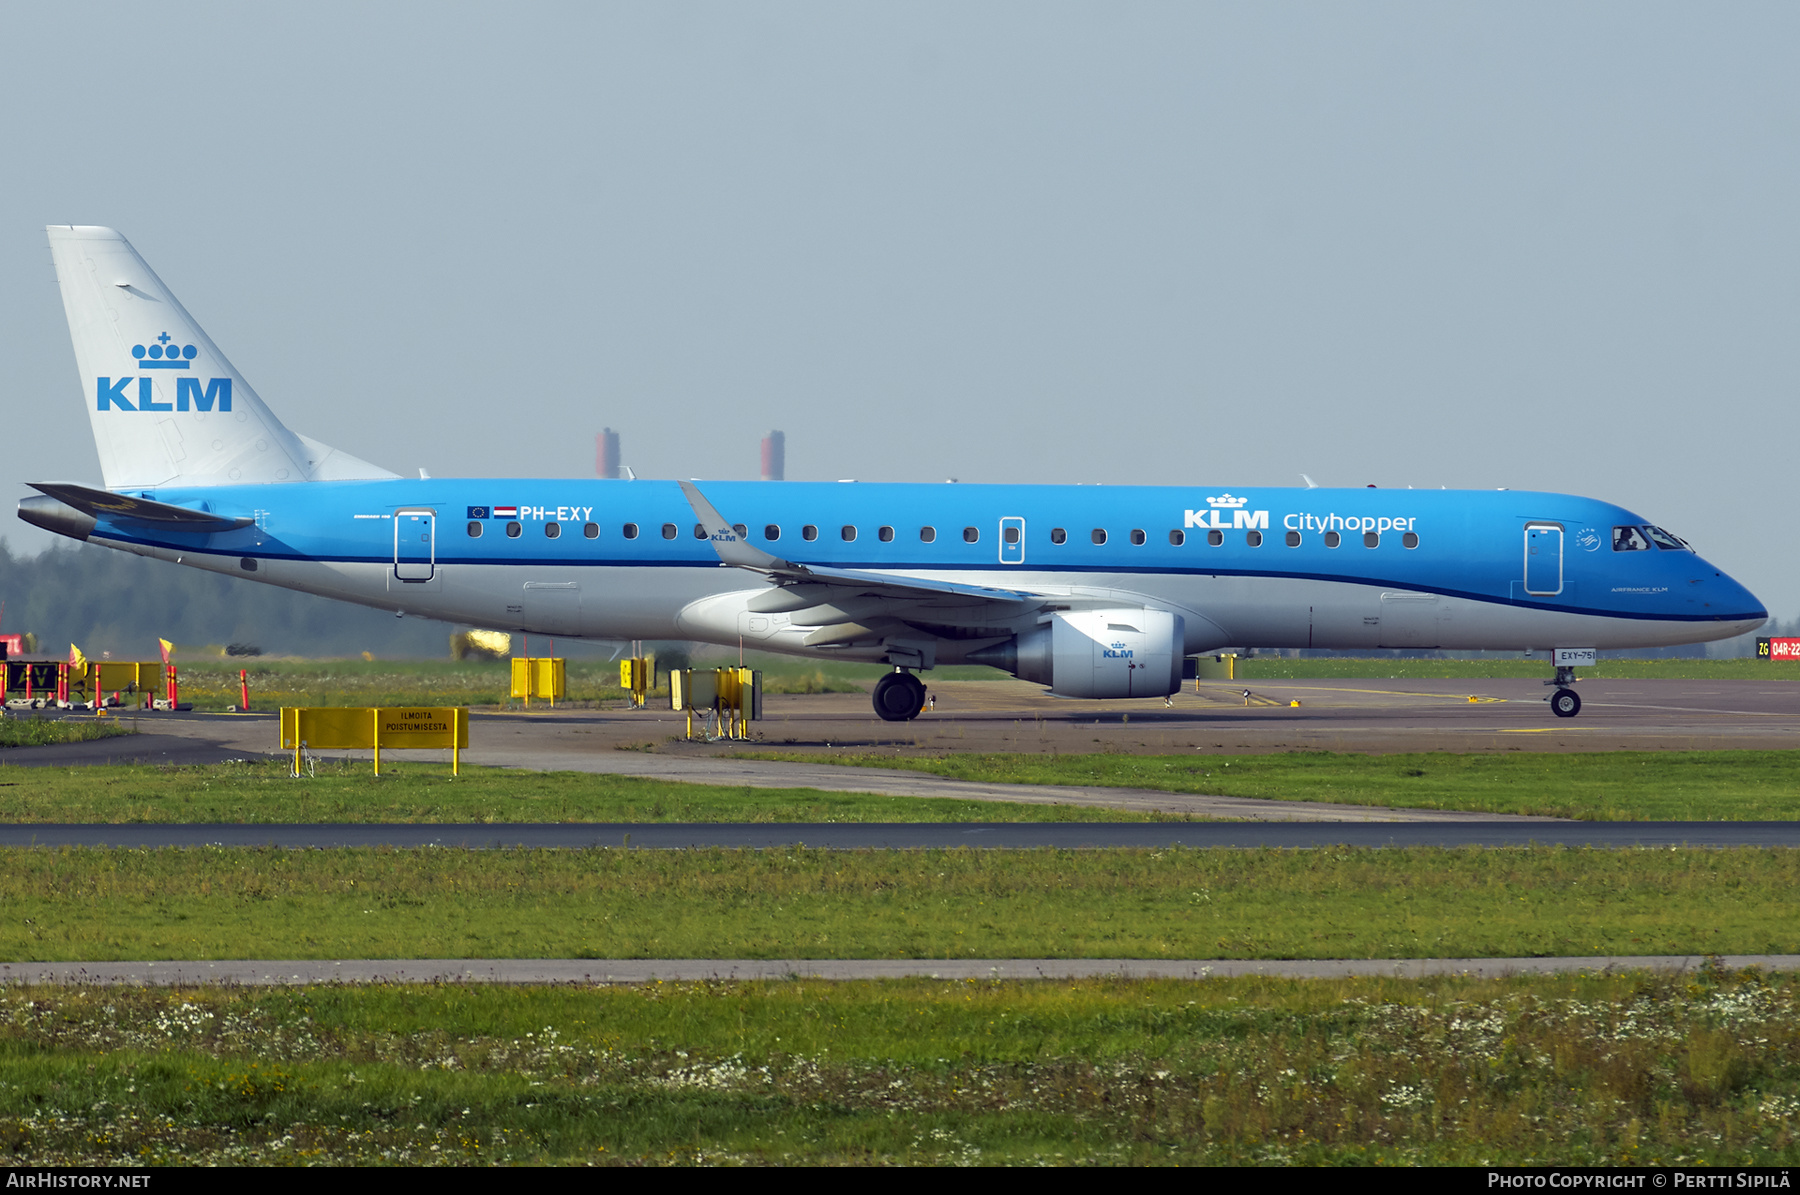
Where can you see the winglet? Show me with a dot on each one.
(732, 548)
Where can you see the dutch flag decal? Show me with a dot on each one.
(506, 512)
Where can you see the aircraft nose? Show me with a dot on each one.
(1730, 601)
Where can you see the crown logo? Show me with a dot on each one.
(1226, 502)
(164, 355)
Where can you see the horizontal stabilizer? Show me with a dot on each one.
(102, 504)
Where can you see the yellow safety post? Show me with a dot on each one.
(729, 685)
(634, 678)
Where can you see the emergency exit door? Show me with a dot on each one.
(1012, 541)
(415, 544)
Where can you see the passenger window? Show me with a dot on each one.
(1629, 539)
(1177, 537)
(552, 530)
(1371, 539)
(1058, 535)
(809, 533)
(629, 531)
(1293, 539)
(591, 530)
(1253, 538)
(513, 531)
(670, 531)
(971, 536)
(1010, 533)
(1410, 540)
(474, 529)
(1215, 538)
(848, 532)
(1137, 537)
(885, 534)
(743, 532)
(928, 535)
(771, 532)
(1098, 536)
(1333, 539)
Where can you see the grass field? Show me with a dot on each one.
(1610, 786)
(41, 732)
(261, 791)
(73, 905)
(1619, 1069)
(1604, 786)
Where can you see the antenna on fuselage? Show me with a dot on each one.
(1310, 483)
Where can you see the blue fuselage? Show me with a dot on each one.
(1266, 567)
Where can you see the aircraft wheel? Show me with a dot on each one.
(1566, 703)
(899, 696)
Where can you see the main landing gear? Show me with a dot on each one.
(1565, 702)
(899, 696)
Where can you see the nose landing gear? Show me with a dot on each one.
(1565, 702)
(899, 696)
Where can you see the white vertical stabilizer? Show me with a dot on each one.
(167, 407)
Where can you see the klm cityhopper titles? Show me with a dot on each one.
(1090, 591)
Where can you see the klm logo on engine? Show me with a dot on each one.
(1213, 518)
(1117, 651)
(119, 394)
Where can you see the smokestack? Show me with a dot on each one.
(774, 456)
(606, 454)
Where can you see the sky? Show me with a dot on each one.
(1537, 246)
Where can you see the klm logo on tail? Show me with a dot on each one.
(111, 393)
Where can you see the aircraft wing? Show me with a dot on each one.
(848, 603)
(108, 505)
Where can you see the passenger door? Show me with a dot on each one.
(415, 545)
(1543, 559)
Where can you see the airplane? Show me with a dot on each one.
(1090, 591)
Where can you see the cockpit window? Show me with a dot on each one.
(1629, 539)
(1665, 541)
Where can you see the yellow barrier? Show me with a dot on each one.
(634, 678)
(98, 677)
(539, 676)
(733, 694)
(351, 728)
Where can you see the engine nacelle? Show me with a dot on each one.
(1097, 653)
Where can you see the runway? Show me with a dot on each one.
(591, 972)
(915, 836)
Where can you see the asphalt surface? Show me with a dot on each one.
(278, 972)
(862, 836)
